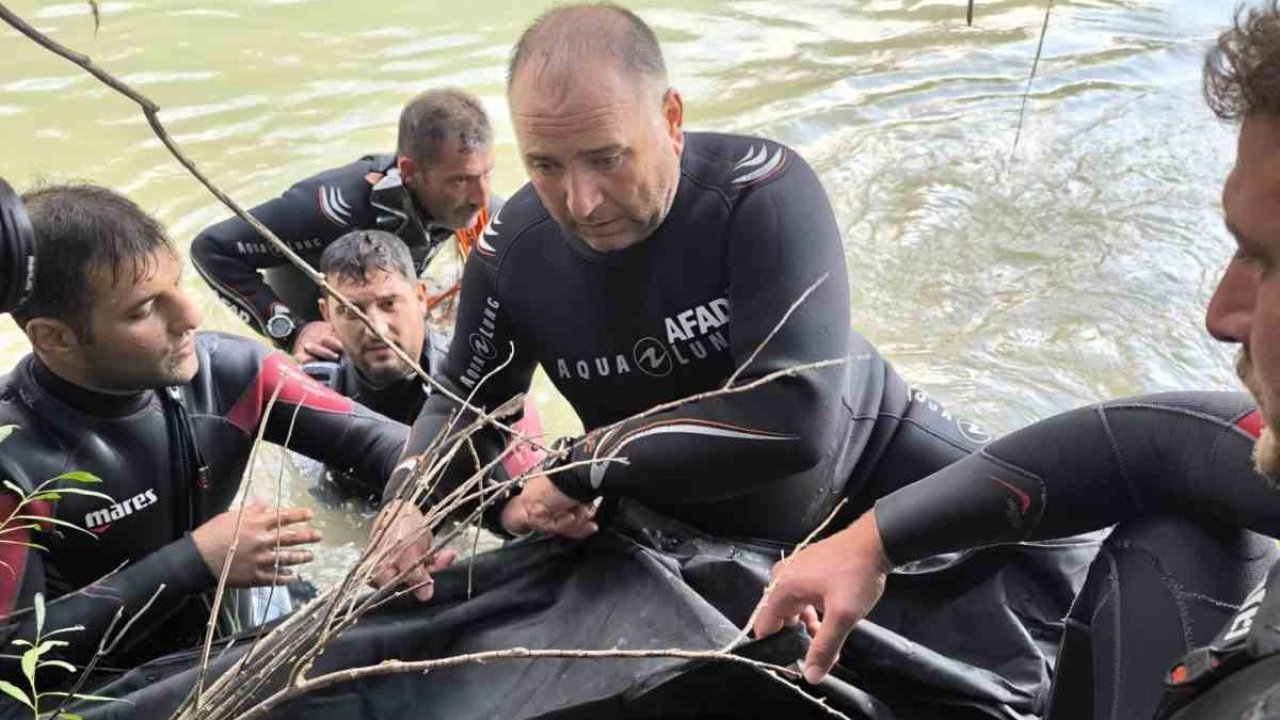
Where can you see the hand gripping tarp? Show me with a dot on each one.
(646, 582)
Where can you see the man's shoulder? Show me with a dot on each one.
(343, 194)
(221, 354)
(520, 217)
(733, 164)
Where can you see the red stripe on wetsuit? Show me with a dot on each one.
(1251, 424)
(296, 388)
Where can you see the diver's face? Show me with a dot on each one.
(602, 151)
(454, 187)
(1245, 308)
(141, 328)
(396, 306)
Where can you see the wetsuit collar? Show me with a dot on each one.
(82, 399)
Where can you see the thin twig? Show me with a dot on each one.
(1026, 95)
(394, 667)
(151, 111)
(785, 317)
(746, 629)
(247, 481)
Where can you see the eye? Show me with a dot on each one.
(389, 304)
(608, 162)
(543, 167)
(144, 310)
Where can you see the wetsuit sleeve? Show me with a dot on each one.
(782, 237)
(309, 417)
(177, 567)
(487, 361)
(308, 216)
(1188, 453)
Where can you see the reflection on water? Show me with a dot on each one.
(1010, 288)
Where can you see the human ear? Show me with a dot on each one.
(52, 337)
(673, 118)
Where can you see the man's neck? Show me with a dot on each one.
(78, 395)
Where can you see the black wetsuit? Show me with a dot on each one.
(1174, 472)
(750, 229)
(171, 460)
(364, 195)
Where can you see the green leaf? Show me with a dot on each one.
(73, 628)
(81, 696)
(6, 431)
(14, 692)
(78, 491)
(21, 643)
(15, 489)
(29, 659)
(39, 613)
(59, 664)
(79, 476)
(47, 496)
(68, 716)
(59, 523)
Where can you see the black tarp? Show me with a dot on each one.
(647, 582)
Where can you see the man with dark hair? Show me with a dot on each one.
(433, 189)
(642, 265)
(1173, 471)
(121, 386)
(374, 270)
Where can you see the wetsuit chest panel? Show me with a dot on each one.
(631, 329)
(130, 456)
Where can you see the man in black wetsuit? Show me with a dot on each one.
(1174, 471)
(433, 189)
(374, 270)
(643, 264)
(120, 385)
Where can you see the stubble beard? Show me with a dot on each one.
(1266, 450)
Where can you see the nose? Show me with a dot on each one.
(189, 316)
(1229, 316)
(584, 195)
(478, 192)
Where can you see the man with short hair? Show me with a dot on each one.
(374, 270)
(643, 264)
(434, 188)
(1174, 471)
(121, 386)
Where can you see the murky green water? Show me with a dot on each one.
(1009, 288)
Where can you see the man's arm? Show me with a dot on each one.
(177, 567)
(307, 217)
(782, 239)
(1187, 453)
(308, 417)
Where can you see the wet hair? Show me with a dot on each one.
(80, 228)
(565, 37)
(430, 120)
(1242, 70)
(355, 255)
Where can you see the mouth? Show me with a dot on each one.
(600, 229)
(185, 350)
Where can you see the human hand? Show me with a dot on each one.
(413, 564)
(540, 506)
(842, 577)
(262, 553)
(316, 341)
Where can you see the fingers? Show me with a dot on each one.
(286, 516)
(442, 560)
(312, 351)
(301, 536)
(809, 616)
(825, 648)
(777, 607)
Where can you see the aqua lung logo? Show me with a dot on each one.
(972, 432)
(692, 335)
(99, 520)
(652, 357)
(481, 343)
(482, 346)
